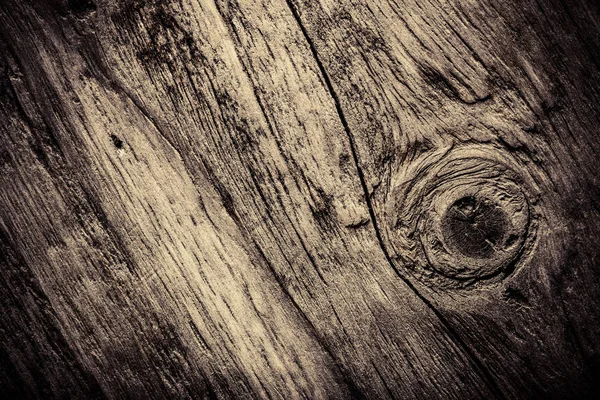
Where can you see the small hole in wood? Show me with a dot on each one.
(116, 141)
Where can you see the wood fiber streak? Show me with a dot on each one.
(237, 199)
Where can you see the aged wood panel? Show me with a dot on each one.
(471, 96)
(247, 199)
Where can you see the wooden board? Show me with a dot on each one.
(299, 199)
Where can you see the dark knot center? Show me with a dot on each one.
(476, 227)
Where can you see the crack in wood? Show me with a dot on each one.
(478, 364)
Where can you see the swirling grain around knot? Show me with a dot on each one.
(462, 216)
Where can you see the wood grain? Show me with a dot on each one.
(248, 199)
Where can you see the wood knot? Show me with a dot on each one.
(474, 229)
(462, 218)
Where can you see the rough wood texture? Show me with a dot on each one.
(299, 199)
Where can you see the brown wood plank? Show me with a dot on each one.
(152, 282)
(469, 97)
(234, 199)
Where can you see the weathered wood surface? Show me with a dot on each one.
(247, 199)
